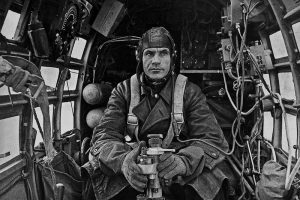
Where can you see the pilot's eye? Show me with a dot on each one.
(164, 53)
(148, 53)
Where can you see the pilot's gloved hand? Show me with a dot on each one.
(170, 165)
(132, 171)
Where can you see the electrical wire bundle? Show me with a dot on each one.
(240, 53)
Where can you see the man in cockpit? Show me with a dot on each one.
(196, 170)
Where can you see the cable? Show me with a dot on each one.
(230, 99)
(272, 149)
(242, 179)
(252, 58)
(119, 39)
(235, 132)
(256, 129)
(35, 115)
(234, 142)
(232, 49)
(254, 6)
(289, 165)
(240, 88)
(205, 142)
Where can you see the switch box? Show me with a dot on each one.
(109, 17)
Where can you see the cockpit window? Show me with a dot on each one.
(71, 83)
(292, 127)
(278, 45)
(67, 111)
(268, 119)
(67, 123)
(9, 143)
(4, 91)
(10, 24)
(50, 75)
(38, 111)
(268, 122)
(296, 29)
(78, 48)
(39, 114)
(286, 85)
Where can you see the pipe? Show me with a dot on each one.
(57, 108)
(77, 105)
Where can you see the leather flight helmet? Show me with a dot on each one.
(155, 37)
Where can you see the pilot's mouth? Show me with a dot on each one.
(155, 69)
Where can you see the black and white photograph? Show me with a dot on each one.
(149, 100)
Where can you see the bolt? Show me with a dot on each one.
(246, 137)
(259, 137)
(221, 92)
(247, 171)
(155, 190)
(228, 47)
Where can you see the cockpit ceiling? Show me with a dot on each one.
(176, 15)
(173, 14)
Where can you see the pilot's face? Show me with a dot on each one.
(156, 62)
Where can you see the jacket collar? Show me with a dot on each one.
(165, 93)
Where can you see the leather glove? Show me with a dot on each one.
(170, 165)
(132, 171)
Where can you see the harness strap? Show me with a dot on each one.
(178, 102)
(132, 120)
(177, 118)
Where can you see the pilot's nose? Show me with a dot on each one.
(156, 59)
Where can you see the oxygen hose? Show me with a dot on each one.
(212, 145)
